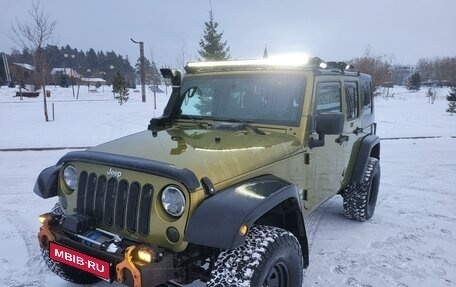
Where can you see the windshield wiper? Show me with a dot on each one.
(248, 125)
(194, 120)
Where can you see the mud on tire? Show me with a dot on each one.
(64, 271)
(270, 257)
(360, 199)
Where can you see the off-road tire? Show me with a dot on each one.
(270, 257)
(360, 199)
(64, 271)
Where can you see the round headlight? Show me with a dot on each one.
(173, 201)
(70, 176)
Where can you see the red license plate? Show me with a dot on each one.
(79, 260)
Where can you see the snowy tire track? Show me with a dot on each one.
(33, 260)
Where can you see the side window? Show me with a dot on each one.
(352, 99)
(366, 92)
(327, 97)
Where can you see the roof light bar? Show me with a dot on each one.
(292, 60)
(280, 61)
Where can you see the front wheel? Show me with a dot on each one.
(360, 199)
(270, 257)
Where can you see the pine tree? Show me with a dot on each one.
(212, 47)
(414, 82)
(63, 81)
(452, 101)
(120, 88)
(152, 75)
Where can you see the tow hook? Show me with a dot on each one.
(128, 264)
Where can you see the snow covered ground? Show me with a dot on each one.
(410, 241)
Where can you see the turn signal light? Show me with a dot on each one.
(41, 219)
(243, 230)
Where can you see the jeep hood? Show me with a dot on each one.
(219, 155)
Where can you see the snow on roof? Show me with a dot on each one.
(65, 71)
(25, 66)
(93, 80)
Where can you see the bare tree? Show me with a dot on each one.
(181, 58)
(378, 66)
(34, 37)
(440, 71)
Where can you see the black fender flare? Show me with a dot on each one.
(217, 220)
(369, 147)
(46, 183)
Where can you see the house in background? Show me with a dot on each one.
(65, 71)
(401, 73)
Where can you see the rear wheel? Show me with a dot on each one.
(64, 271)
(360, 199)
(270, 257)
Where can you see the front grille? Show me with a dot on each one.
(118, 204)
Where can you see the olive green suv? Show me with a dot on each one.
(217, 188)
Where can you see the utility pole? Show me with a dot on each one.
(5, 65)
(142, 72)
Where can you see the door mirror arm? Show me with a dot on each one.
(327, 124)
(317, 142)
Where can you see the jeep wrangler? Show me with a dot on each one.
(217, 188)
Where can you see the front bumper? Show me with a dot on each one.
(123, 267)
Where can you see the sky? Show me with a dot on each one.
(401, 30)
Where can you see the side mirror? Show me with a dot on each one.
(330, 123)
(327, 124)
(174, 75)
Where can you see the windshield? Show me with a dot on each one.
(259, 98)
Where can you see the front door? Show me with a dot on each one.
(326, 163)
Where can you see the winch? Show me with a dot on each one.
(83, 227)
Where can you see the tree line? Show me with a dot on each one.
(88, 64)
(441, 71)
(432, 72)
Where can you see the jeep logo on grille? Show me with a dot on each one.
(114, 173)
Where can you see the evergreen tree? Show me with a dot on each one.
(452, 101)
(120, 88)
(414, 82)
(92, 59)
(152, 75)
(63, 81)
(88, 64)
(156, 75)
(212, 47)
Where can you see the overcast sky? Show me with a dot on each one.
(331, 29)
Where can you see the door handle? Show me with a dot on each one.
(342, 138)
(357, 131)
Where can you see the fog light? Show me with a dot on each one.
(63, 202)
(145, 255)
(172, 234)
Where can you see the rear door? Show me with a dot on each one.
(353, 128)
